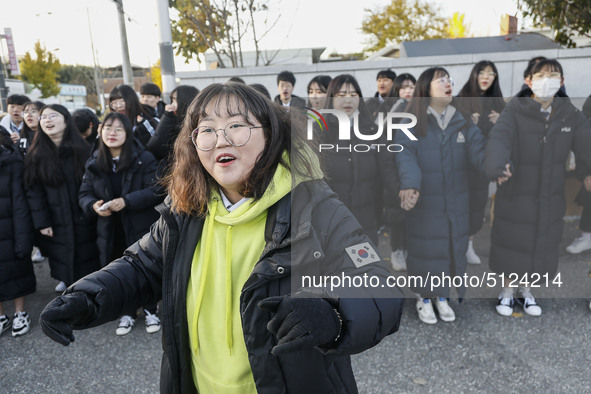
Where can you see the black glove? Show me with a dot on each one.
(65, 312)
(301, 322)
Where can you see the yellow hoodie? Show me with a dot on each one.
(229, 247)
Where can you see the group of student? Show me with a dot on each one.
(436, 188)
(81, 190)
(248, 208)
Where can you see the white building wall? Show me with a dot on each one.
(575, 62)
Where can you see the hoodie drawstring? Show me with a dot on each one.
(201, 289)
(229, 325)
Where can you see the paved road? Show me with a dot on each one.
(480, 352)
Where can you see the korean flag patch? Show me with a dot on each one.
(362, 254)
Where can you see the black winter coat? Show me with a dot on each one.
(311, 235)
(72, 250)
(145, 129)
(359, 178)
(162, 142)
(140, 191)
(437, 227)
(17, 277)
(529, 207)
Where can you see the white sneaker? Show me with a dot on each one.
(36, 256)
(398, 260)
(125, 325)
(20, 324)
(589, 305)
(530, 306)
(425, 311)
(471, 256)
(505, 304)
(445, 312)
(4, 323)
(152, 322)
(579, 245)
(61, 287)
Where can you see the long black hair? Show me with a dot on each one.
(335, 85)
(419, 102)
(104, 158)
(133, 107)
(185, 94)
(399, 80)
(42, 162)
(473, 100)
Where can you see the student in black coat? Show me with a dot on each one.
(356, 176)
(123, 99)
(481, 101)
(531, 143)
(54, 167)
(382, 100)
(402, 90)
(120, 186)
(17, 278)
(31, 111)
(161, 143)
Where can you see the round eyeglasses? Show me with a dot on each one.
(205, 138)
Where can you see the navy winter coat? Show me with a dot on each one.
(530, 206)
(72, 250)
(140, 191)
(437, 166)
(17, 277)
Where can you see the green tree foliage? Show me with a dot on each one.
(565, 17)
(41, 72)
(219, 25)
(403, 20)
(78, 75)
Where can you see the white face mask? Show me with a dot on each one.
(545, 87)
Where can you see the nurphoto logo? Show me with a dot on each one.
(404, 122)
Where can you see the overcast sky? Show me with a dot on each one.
(62, 26)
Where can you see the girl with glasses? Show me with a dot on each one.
(31, 111)
(123, 99)
(434, 189)
(54, 166)
(481, 101)
(120, 189)
(241, 223)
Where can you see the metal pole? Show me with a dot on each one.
(126, 65)
(167, 71)
(99, 93)
(3, 89)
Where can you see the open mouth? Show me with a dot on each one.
(225, 158)
(448, 92)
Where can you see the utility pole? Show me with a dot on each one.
(99, 91)
(126, 65)
(167, 71)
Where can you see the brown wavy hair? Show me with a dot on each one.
(190, 185)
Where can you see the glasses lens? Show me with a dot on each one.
(237, 134)
(204, 137)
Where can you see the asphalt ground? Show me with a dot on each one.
(480, 352)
